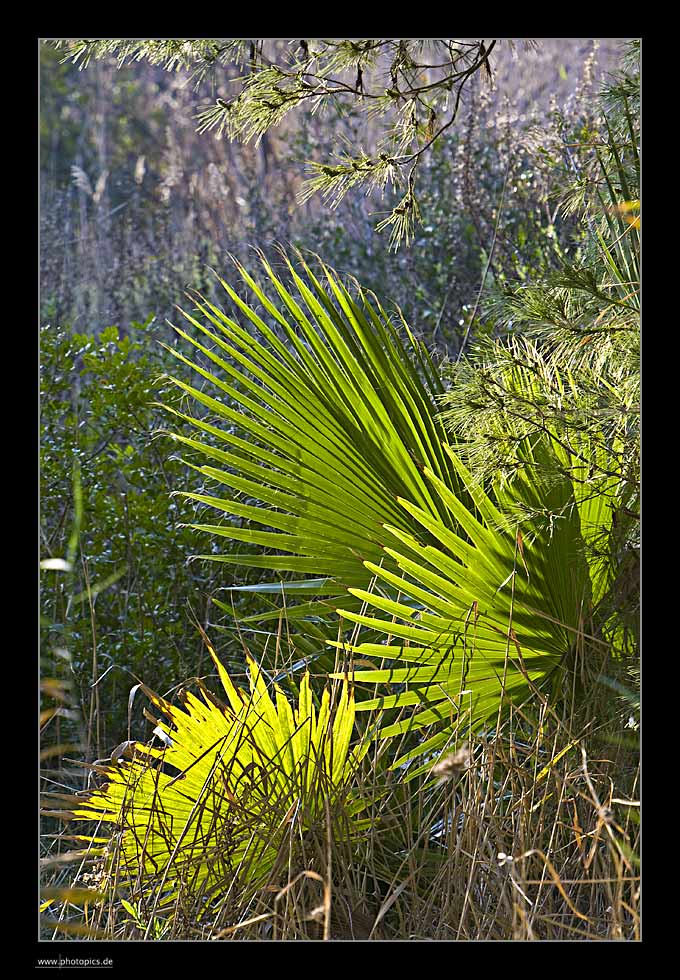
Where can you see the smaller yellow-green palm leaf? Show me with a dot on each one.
(218, 799)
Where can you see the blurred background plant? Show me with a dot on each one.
(129, 600)
(136, 203)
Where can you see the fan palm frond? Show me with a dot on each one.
(216, 801)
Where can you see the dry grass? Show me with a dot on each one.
(529, 833)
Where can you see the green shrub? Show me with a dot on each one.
(132, 598)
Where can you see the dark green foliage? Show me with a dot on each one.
(97, 394)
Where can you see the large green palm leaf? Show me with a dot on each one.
(343, 463)
(325, 417)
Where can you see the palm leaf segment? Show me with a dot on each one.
(337, 416)
(219, 798)
(505, 596)
(497, 611)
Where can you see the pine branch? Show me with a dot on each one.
(409, 82)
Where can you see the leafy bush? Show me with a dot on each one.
(128, 606)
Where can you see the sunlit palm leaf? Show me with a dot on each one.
(327, 417)
(480, 591)
(217, 800)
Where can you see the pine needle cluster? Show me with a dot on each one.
(413, 87)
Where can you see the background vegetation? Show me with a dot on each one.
(521, 282)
